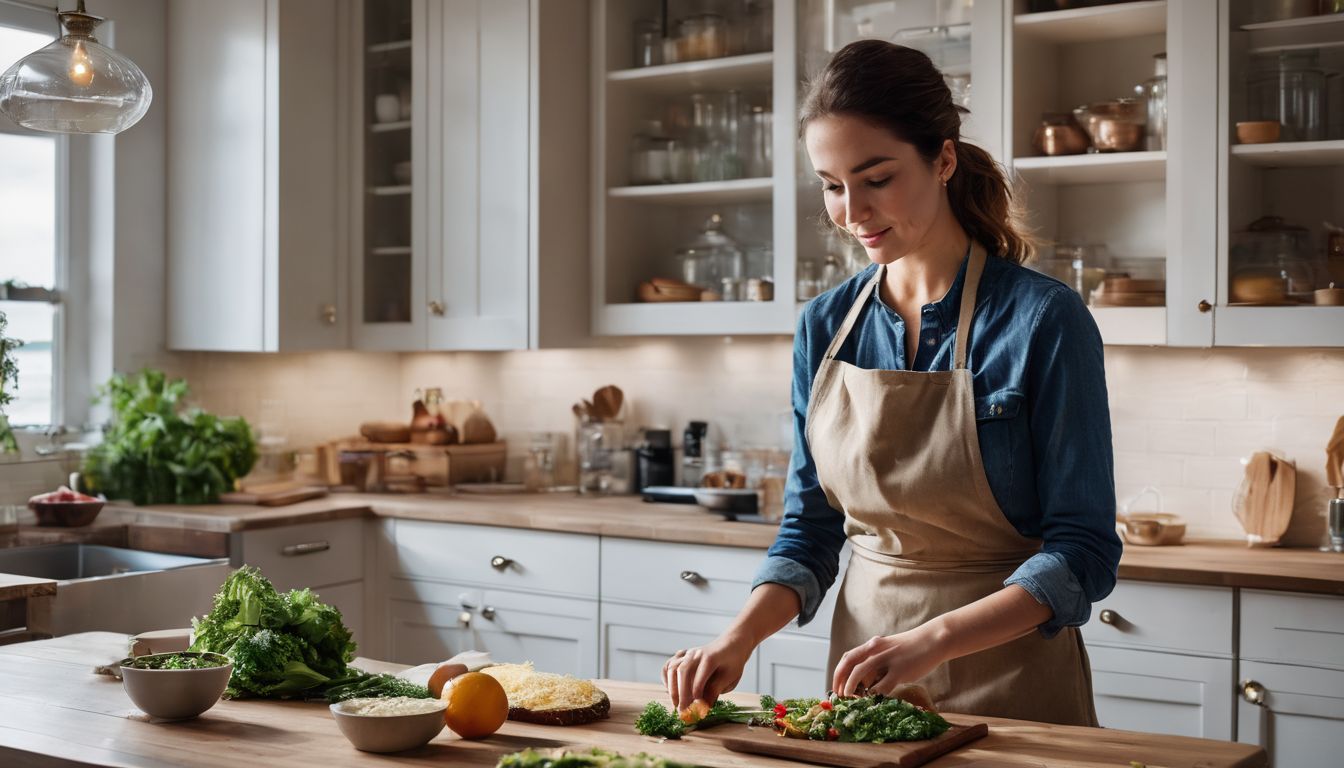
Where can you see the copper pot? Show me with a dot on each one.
(1059, 134)
(1115, 126)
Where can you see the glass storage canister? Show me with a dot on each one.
(760, 143)
(1289, 87)
(648, 43)
(651, 156)
(1154, 93)
(711, 256)
(1270, 262)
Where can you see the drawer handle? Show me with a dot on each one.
(691, 577)
(500, 562)
(1253, 692)
(488, 613)
(309, 548)
(1111, 618)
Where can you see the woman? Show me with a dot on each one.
(970, 472)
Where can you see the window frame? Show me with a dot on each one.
(67, 346)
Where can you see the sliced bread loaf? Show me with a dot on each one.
(549, 699)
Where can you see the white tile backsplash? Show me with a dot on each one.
(1182, 420)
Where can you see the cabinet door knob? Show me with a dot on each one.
(464, 618)
(1205, 306)
(500, 562)
(329, 314)
(691, 577)
(436, 308)
(1253, 692)
(1110, 617)
(488, 613)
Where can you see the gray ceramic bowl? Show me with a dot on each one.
(388, 733)
(175, 694)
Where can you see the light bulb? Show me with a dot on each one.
(81, 68)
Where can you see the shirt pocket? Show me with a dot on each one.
(1002, 436)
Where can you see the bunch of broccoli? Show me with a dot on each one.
(286, 645)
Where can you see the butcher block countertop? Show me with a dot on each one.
(55, 712)
(1214, 563)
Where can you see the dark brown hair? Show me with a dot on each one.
(900, 89)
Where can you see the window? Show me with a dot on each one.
(32, 260)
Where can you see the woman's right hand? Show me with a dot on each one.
(707, 671)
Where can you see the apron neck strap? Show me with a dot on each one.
(975, 265)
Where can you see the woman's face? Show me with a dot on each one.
(876, 186)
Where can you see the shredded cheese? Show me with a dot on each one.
(540, 691)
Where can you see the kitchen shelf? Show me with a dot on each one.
(1291, 154)
(690, 318)
(1323, 20)
(390, 191)
(750, 70)
(1304, 326)
(699, 193)
(1134, 326)
(1104, 22)
(400, 125)
(1101, 168)
(391, 250)
(1287, 34)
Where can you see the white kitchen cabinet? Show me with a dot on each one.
(467, 235)
(431, 621)
(326, 557)
(1299, 719)
(257, 176)
(793, 666)
(1166, 693)
(636, 641)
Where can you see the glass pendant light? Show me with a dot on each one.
(75, 84)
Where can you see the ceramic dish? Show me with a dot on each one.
(387, 733)
(175, 694)
(1151, 529)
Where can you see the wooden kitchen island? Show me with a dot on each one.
(54, 711)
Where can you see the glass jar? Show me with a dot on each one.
(650, 155)
(648, 50)
(711, 256)
(702, 37)
(598, 442)
(1270, 262)
(706, 145)
(758, 26)
(760, 143)
(1289, 87)
(1154, 93)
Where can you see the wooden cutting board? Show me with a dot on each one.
(905, 754)
(276, 498)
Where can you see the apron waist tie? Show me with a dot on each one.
(865, 547)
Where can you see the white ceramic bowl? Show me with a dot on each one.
(388, 733)
(175, 694)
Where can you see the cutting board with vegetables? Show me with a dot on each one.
(899, 754)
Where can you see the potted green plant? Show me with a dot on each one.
(9, 379)
(158, 451)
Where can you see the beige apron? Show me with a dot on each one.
(898, 453)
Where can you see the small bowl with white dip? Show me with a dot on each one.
(390, 723)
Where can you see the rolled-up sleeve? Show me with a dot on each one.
(1075, 470)
(806, 554)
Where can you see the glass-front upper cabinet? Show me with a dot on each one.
(388, 296)
(687, 167)
(963, 38)
(1281, 221)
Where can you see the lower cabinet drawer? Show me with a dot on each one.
(637, 641)
(308, 555)
(1299, 719)
(504, 558)
(1292, 628)
(1151, 616)
(1165, 693)
(698, 577)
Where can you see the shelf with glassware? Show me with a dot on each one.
(685, 184)
(1281, 249)
(1087, 147)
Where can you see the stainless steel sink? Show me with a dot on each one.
(119, 590)
(66, 562)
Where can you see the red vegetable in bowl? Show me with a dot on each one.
(62, 495)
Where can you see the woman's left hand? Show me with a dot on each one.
(885, 662)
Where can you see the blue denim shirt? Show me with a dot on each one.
(1041, 414)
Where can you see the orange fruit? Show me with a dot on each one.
(477, 705)
(442, 674)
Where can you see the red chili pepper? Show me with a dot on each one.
(832, 734)
(781, 710)
(779, 722)
(827, 705)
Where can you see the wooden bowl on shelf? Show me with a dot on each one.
(1258, 132)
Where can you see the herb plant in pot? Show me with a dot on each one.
(9, 378)
(158, 451)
